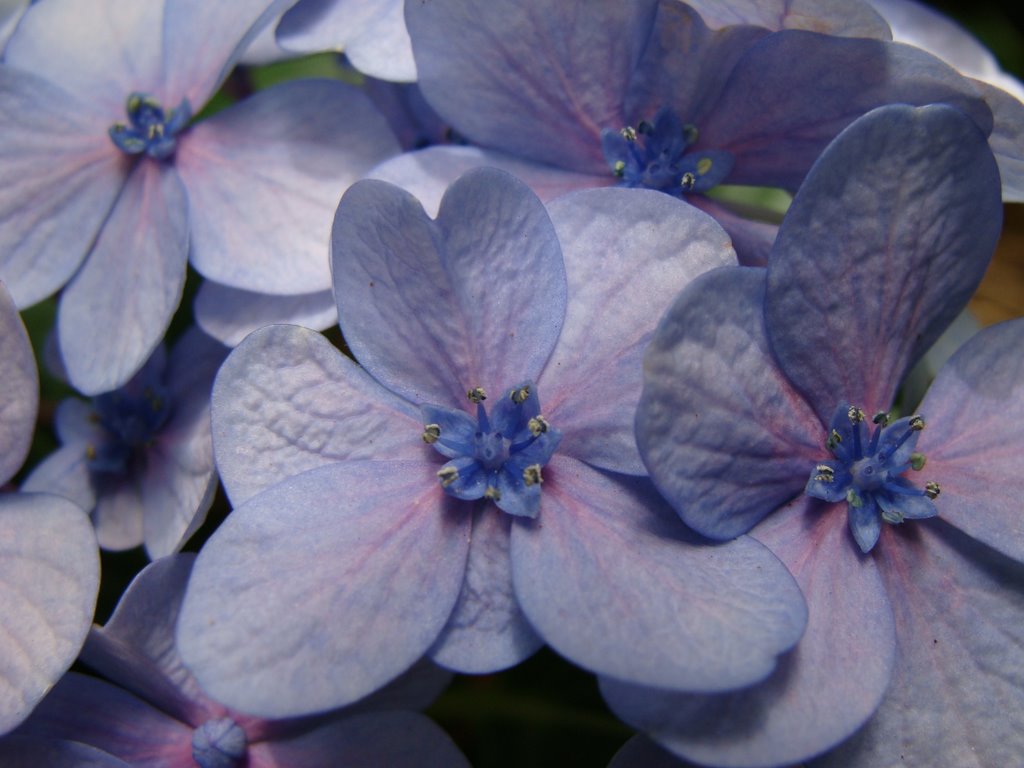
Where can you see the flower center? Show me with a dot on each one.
(654, 155)
(131, 420)
(219, 743)
(498, 456)
(868, 472)
(150, 129)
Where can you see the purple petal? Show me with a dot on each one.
(100, 50)
(956, 697)
(65, 473)
(879, 252)
(202, 41)
(59, 177)
(972, 442)
(1007, 139)
(433, 308)
(19, 381)
(372, 34)
(394, 739)
(610, 580)
(117, 516)
(554, 75)
(487, 630)
(382, 552)
(49, 575)
(115, 311)
(821, 692)
(416, 688)
(229, 314)
(752, 238)
(30, 752)
(832, 17)
(286, 401)
(628, 252)
(10, 14)
(795, 91)
(427, 174)
(264, 178)
(724, 435)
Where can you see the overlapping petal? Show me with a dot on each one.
(833, 17)
(29, 752)
(879, 251)
(230, 314)
(20, 381)
(432, 308)
(324, 550)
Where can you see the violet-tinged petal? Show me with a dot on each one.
(487, 631)
(117, 515)
(264, 178)
(92, 711)
(49, 575)
(881, 222)
(371, 34)
(432, 308)
(202, 41)
(115, 311)
(383, 553)
(31, 752)
(751, 238)
(456, 430)
(19, 379)
(286, 401)
(956, 697)
(59, 178)
(972, 442)
(627, 254)
(428, 173)
(865, 523)
(833, 17)
(75, 421)
(1007, 139)
(821, 692)
(613, 582)
(394, 739)
(102, 49)
(509, 76)
(229, 314)
(795, 91)
(10, 14)
(724, 435)
(64, 472)
(416, 688)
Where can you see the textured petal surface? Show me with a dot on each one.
(821, 691)
(510, 77)
(957, 697)
(1007, 139)
(19, 380)
(229, 314)
(265, 176)
(616, 584)
(286, 401)
(975, 450)
(433, 308)
(59, 177)
(833, 17)
(487, 631)
(627, 252)
(723, 434)
(381, 553)
(879, 252)
(115, 311)
(394, 739)
(795, 91)
(752, 238)
(49, 574)
(371, 33)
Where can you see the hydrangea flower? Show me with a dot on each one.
(49, 564)
(10, 15)
(355, 547)
(107, 185)
(646, 94)
(140, 458)
(915, 624)
(152, 712)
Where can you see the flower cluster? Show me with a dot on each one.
(388, 340)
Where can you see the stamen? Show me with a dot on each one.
(704, 165)
(916, 423)
(690, 133)
(476, 395)
(932, 490)
(492, 493)
(538, 425)
(447, 476)
(629, 133)
(855, 415)
(854, 498)
(688, 182)
(834, 439)
(881, 418)
(917, 461)
(619, 169)
(431, 433)
(520, 395)
(825, 473)
(90, 452)
(532, 476)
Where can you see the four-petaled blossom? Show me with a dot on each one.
(140, 458)
(760, 386)
(152, 712)
(355, 548)
(49, 564)
(107, 185)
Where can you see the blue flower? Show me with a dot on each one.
(49, 564)
(108, 186)
(149, 709)
(759, 391)
(140, 459)
(355, 547)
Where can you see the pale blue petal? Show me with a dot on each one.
(229, 314)
(64, 472)
(845, 18)
(1007, 139)
(19, 380)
